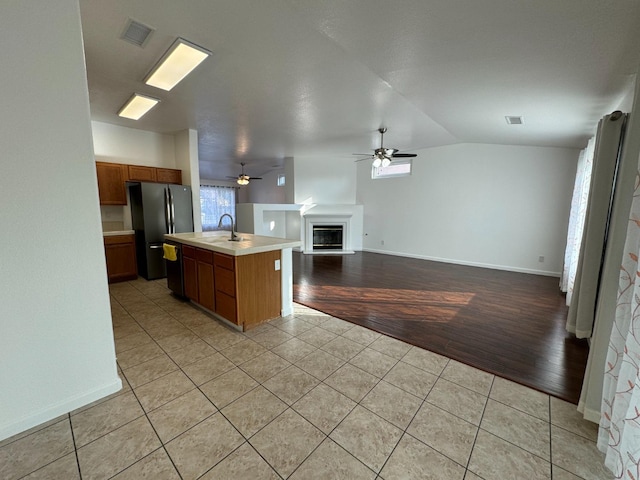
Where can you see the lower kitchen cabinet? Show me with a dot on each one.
(190, 265)
(206, 296)
(199, 280)
(225, 284)
(245, 290)
(120, 254)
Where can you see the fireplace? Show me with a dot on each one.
(327, 233)
(327, 237)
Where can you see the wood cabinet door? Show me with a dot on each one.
(138, 173)
(190, 278)
(120, 254)
(206, 288)
(169, 175)
(226, 307)
(111, 183)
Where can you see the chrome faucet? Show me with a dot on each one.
(234, 237)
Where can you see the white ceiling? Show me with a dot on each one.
(292, 78)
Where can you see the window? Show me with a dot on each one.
(214, 202)
(397, 168)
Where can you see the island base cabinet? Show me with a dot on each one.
(206, 296)
(258, 288)
(226, 307)
(190, 275)
(244, 290)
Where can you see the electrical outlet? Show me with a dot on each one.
(541, 259)
(277, 265)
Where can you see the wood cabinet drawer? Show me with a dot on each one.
(119, 239)
(224, 261)
(226, 306)
(188, 251)
(225, 281)
(205, 256)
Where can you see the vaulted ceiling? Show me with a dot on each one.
(292, 78)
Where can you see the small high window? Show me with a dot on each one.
(397, 168)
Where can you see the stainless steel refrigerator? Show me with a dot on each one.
(157, 209)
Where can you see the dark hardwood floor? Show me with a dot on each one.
(510, 324)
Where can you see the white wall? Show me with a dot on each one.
(324, 180)
(265, 190)
(116, 144)
(56, 347)
(497, 206)
(186, 159)
(113, 143)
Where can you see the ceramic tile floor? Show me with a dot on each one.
(303, 397)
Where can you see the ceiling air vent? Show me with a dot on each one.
(514, 120)
(136, 33)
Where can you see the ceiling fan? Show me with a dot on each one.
(243, 179)
(383, 156)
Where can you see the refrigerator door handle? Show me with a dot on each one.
(173, 211)
(167, 212)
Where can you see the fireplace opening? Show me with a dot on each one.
(327, 237)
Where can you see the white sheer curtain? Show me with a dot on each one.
(576, 218)
(619, 433)
(214, 202)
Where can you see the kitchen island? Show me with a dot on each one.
(245, 282)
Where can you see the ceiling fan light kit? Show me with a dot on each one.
(243, 179)
(382, 157)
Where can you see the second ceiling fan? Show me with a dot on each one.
(243, 179)
(382, 156)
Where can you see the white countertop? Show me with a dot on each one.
(218, 241)
(117, 232)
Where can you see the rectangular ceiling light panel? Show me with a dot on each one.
(177, 63)
(137, 106)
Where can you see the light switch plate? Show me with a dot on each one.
(277, 265)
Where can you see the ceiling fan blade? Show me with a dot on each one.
(367, 154)
(361, 159)
(255, 178)
(404, 155)
(235, 178)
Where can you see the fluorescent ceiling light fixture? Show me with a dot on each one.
(177, 63)
(137, 106)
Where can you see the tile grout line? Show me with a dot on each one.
(75, 447)
(357, 403)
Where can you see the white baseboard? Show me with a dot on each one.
(469, 264)
(588, 414)
(53, 411)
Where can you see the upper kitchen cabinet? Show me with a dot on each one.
(169, 175)
(111, 178)
(138, 173)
